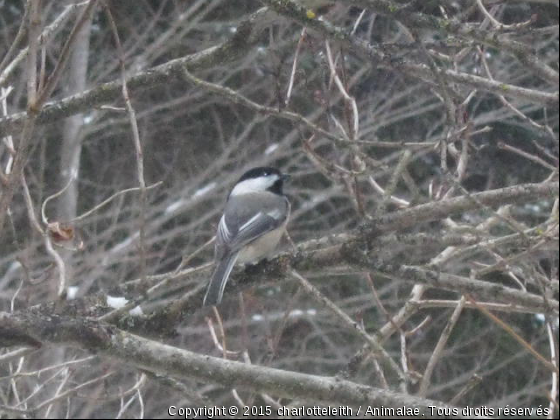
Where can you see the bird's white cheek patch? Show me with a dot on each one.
(254, 185)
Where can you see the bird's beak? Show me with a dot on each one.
(285, 177)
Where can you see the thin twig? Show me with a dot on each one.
(136, 140)
(393, 182)
(72, 391)
(553, 343)
(45, 35)
(294, 67)
(108, 200)
(472, 382)
(526, 155)
(22, 30)
(436, 355)
(499, 25)
(187, 258)
(60, 265)
(375, 345)
(55, 195)
(54, 77)
(513, 334)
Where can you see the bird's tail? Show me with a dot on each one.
(218, 280)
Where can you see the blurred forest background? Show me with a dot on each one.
(422, 140)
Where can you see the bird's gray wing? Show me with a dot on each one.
(240, 225)
(235, 236)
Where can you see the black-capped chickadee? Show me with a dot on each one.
(253, 223)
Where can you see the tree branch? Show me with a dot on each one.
(378, 57)
(159, 358)
(245, 37)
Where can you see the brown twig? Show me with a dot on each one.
(370, 340)
(136, 140)
(513, 334)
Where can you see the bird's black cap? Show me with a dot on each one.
(260, 171)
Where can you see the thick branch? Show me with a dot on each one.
(418, 20)
(163, 359)
(352, 248)
(245, 37)
(438, 210)
(378, 57)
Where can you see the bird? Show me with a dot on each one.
(253, 222)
